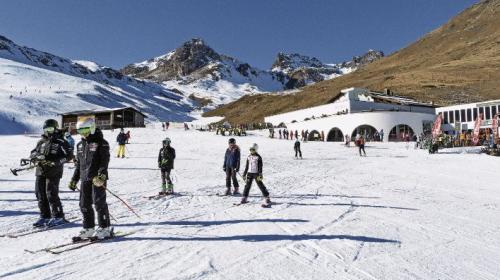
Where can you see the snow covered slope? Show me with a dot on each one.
(35, 85)
(396, 214)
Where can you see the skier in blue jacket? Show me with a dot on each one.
(232, 166)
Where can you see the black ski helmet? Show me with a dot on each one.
(51, 123)
(232, 141)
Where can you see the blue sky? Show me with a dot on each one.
(116, 33)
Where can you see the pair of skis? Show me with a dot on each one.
(33, 230)
(75, 245)
(263, 205)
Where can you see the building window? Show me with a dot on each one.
(481, 111)
(474, 113)
(457, 116)
(493, 110)
(445, 116)
(452, 120)
(488, 113)
(469, 115)
(462, 115)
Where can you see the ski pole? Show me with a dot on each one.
(130, 154)
(16, 170)
(123, 201)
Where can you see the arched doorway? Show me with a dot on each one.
(335, 135)
(401, 132)
(314, 136)
(366, 130)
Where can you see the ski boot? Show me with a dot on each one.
(163, 189)
(170, 189)
(85, 233)
(103, 233)
(266, 203)
(42, 222)
(236, 192)
(244, 200)
(56, 222)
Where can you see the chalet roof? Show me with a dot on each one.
(97, 111)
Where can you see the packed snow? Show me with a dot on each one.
(398, 213)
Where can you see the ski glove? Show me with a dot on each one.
(99, 180)
(46, 163)
(163, 162)
(259, 178)
(72, 185)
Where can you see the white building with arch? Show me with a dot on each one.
(362, 111)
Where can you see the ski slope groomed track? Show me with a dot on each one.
(399, 213)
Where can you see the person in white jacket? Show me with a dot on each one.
(253, 171)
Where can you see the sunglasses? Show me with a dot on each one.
(85, 131)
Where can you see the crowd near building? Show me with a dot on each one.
(381, 116)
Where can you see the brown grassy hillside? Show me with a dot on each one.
(456, 63)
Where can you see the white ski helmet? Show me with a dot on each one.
(254, 147)
(86, 122)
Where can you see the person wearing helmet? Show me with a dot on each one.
(166, 164)
(231, 166)
(253, 171)
(92, 159)
(50, 154)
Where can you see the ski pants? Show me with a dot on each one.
(248, 185)
(47, 194)
(121, 151)
(231, 175)
(362, 148)
(298, 152)
(165, 176)
(90, 194)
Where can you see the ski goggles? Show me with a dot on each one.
(49, 130)
(252, 150)
(85, 131)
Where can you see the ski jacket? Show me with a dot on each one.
(166, 153)
(253, 165)
(121, 138)
(232, 158)
(54, 149)
(92, 157)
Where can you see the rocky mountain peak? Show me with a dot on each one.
(289, 62)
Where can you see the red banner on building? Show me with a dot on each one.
(436, 128)
(477, 126)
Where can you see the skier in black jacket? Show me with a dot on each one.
(50, 154)
(166, 164)
(296, 147)
(253, 171)
(92, 159)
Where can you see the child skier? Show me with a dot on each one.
(232, 166)
(296, 147)
(166, 164)
(253, 171)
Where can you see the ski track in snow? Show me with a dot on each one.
(397, 214)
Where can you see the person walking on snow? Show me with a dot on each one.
(71, 141)
(232, 166)
(166, 164)
(361, 144)
(253, 171)
(296, 147)
(121, 139)
(50, 154)
(92, 159)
